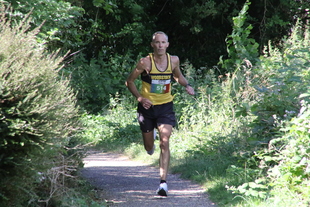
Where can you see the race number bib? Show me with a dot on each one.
(160, 86)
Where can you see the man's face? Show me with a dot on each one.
(160, 44)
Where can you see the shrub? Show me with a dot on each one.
(283, 75)
(37, 117)
(61, 19)
(98, 79)
(282, 123)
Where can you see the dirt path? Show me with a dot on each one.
(128, 183)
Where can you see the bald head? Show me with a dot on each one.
(157, 33)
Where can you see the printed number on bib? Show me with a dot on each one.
(160, 86)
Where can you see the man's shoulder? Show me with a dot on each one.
(145, 60)
(174, 57)
(144, 63)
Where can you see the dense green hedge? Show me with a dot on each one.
(107, 37)
(37, 116)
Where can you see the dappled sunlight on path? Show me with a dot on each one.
(131, 183)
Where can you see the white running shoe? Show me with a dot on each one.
(163, 189)
(152, 150)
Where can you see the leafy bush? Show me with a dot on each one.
(283, 74)
(62, 22)
(239, 116)
(95, 81)
(281, 123)
(38, 117)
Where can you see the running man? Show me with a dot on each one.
(155, 107)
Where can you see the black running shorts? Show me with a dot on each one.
(155, 116)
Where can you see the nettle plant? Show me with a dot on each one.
(283, 75)
(293, 153)
(282, 111)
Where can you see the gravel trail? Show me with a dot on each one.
(128, 183)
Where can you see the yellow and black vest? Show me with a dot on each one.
(156, 85)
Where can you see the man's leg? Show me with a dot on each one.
(148, 140)
(147, 127)
(164, 133)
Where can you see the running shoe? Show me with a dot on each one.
(152, 150)
(163, 189)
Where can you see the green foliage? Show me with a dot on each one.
(293, 170)
(240, 47)
(290, 172)
(283, 77)
(62, 27)
(96, 81)
(282, 117)
(100, 70)
(38, 117)
(102, 30)
(273, 18)
(114, 130)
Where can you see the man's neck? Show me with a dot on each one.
(159, 58)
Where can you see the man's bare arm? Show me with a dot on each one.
(131, 79)
(140, 68)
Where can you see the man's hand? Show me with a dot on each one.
(146, 103)
(190, 90)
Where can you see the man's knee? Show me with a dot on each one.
(164, 143)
